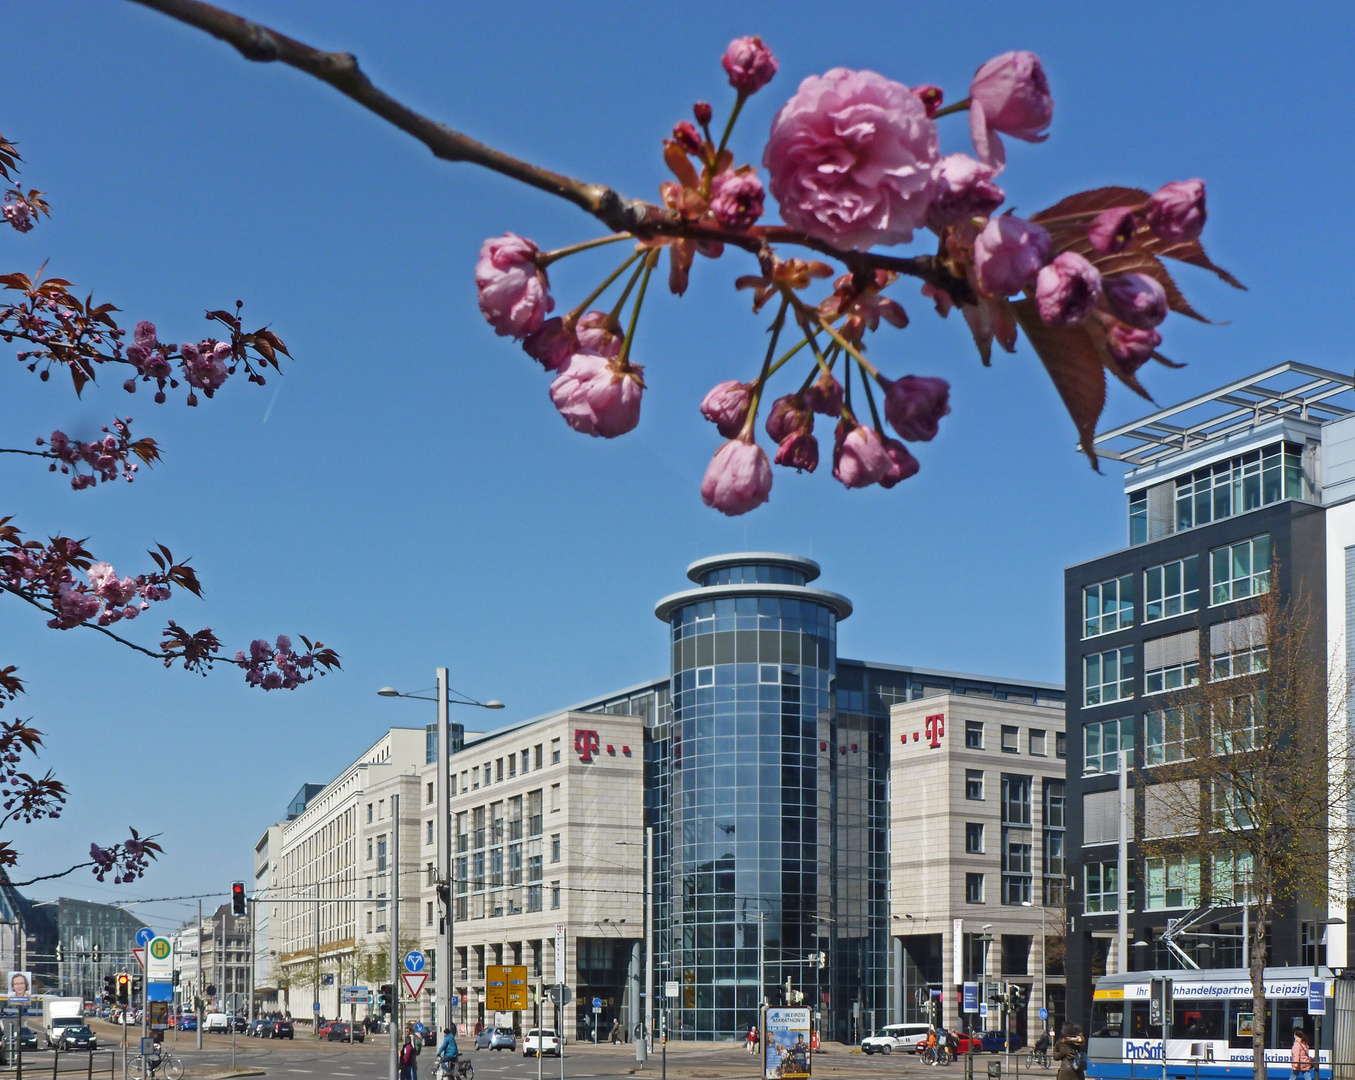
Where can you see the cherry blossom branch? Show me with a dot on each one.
(87, 625)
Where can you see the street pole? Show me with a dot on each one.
(442, 968)
(1122, 864)
(647, 1042)
(197, 988)
(761, 961)
(252, 961)
(315, 1011)
(395, 939)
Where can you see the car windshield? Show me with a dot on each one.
(78, 1029)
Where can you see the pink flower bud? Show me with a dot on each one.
(1111, 230)
(687, 137)
(514, 291)
(931, 98)
(598, 335)
(964, 189)
(902, 464)
(1008, 254)
(799, 450)
(1067, 290)
(703, 112)
(1138, 299)
(825, 396)
(144, 335)
(596, 398)
(736, 200)
(726, 406)
(1132, 346)
(859, 457)
(749, 64)
(551, 344)
(1176, 210)
(788, 415)
(915, 404)
(1009, 94)
(738, 478)
(130, 386)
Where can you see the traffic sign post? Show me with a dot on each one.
(413, 982)
(143, 937)
(414, 961)
(597, 1010)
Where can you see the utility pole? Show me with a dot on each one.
(315, 1011)
(1122, 865)
(645, 1043)
(442, 963)
(197, 986)
(395, 939)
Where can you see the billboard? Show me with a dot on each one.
(786, 1041)
(20, 984)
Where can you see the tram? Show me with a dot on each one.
(1210, 1027)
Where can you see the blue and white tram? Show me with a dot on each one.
(1210, 1034)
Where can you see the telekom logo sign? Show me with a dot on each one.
(586, 743)
(935, 727)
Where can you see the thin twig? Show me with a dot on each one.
(91, 626)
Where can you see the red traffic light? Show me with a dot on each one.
(237, 898)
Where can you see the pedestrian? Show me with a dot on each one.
(1070, 1052)
(616, 1030)
(408, 1069)
(1300, 1058)
(752, 1038)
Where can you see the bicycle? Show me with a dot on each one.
(461, 1069)
(937, 1055)
(1038, 1057)
(147, 1068)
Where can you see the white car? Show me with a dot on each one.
(216, 1022)
(541, 1041)
(902, 1037)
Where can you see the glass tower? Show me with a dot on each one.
(754, 883)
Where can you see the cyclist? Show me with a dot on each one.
(448, 1051)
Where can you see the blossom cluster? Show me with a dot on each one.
(107, 458)
(126, 861)
(854, 161)
(23, 796)
(279, 666)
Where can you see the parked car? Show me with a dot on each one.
(28, 1038)
(216, 1022)
(541, 1042)
(892, 1037)
(995, 1042)
(239, 1023)
(323, 1033)
(79, 1038)
(278, 1029)
(188, 1022)
(255, 1027)
(339, 1032)
(496, 1038)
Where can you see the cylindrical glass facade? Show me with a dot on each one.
(752, 792)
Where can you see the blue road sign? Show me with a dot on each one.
(1317, 997)
(971, 997)
(414, 961)
(315, 1007)
(456, 1000)
(1044, 1014)
(597, 1003)
(983, 1008)
(143, 937)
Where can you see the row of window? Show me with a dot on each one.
(1174, 734)
(502, 768)
(1037, 739)
(1171, 881)
(496, 905)
(1017, 839)
(1236, 571)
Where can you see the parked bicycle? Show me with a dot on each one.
(1038, 1057)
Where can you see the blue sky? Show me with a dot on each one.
(407, 493)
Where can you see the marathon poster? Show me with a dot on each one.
(785, 1041)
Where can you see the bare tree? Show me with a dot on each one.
(1247, 773)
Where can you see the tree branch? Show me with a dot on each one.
(52, 877)
(91, 626)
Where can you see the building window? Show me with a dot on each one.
(554, 895)
(512, 765)
(428, 914)
(1010, 739)
(1231, 804)
(1055, 867)
(1108, 676)
(973, 734)
(1171, 662)
(1167, 733)
(526, 760)
(536, 756)
(1108, 606)
(1171, 589)
(555, 751)
(498, 770)
(1312, 947)
(514, 865)
(381, 854)
(973, 784)
(1234, 724)
(428, 798)
(496, 868)
(1016, 866)
(1173, 881)
(461, 881)
(475, 778)
(428, 837)
(534, 870)
(973, 888)
(555, 847)
(1015, 800)
(1231, 878)
(1239, 570)
(973, 838)
(534, 897)
(1138, 518)
(1060, 744)
(1037, 743)
(1101, 891)
(1238, 647)
(1239, 484)
(1055, 815)
(369, 849)
(534, 812)
(369, 816)
(1102, 742)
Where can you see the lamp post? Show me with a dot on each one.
(442, 980)
(1043, 966)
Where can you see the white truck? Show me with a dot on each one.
(59, 1013)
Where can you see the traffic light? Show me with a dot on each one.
(386, 999)
(124, 987)
(136, 986)
(110, 989)
(237, 897)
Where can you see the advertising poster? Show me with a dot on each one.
(20, 984)
(785, 1039)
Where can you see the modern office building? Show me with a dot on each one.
(1215, 487)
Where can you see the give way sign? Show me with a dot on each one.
(413, 983)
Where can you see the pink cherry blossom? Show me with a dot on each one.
(75, 606)
(1067, 289)
(799, 450)
(1009, 94)
(19, 214)
(726, 406)
(859, 457)
(1138, 299)
(749, 64)
(599, 335)
(825, 396)
(902, 464)
(1176, 210)
(204, 364)
(1111, 230)
(850, 159)
(1131, 345)
(964, 189)
(687, 137)
(597, 398)
(551, 344)
(787, 415)
(1008, 254)
(738, 478)
(736, 200)
(915, 404)
(514, 291)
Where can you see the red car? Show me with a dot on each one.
(962, 1044)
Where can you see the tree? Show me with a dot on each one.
(854, 162)
(373, 957)
(1248, 773)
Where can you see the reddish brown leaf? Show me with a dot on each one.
(1085, 205)
(1075, 365)
(676, 158)
(78, 377)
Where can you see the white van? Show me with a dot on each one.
(216, 1022)
(902, 1037)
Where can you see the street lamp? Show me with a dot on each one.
(1043, 965)
(442, 984)
(644, 1043)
